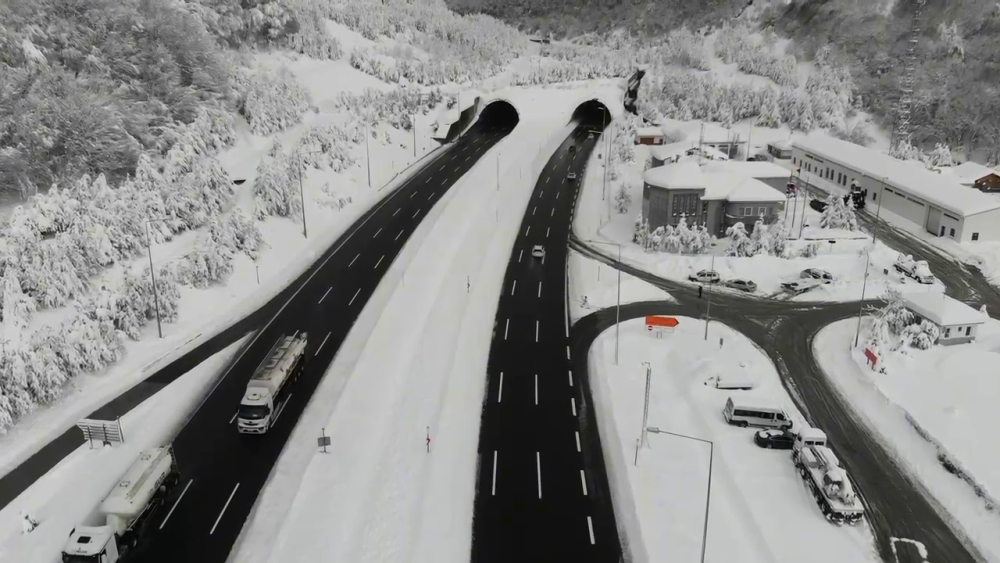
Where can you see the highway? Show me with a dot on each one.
(222, 471)
(542, 492)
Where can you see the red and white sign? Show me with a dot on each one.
(658, 323)
(871, 357)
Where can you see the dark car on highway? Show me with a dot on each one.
(774, 439)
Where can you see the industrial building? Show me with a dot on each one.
(934, 201)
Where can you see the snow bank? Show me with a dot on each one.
(760, 508)
(598, 282)
(378, 496)
(948, 395)
(70, 493)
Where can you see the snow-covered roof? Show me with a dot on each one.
(671, 150)
(782, 145)
(685, 175)
(713, 133)
(649, 132)
(972, 171)
(728, 186)
(942, 310)
(748, 169)
(752, 189)
(942, 190)
(714, 154)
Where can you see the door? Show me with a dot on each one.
(934, 221)
(942, 231)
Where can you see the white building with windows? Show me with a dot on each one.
(957, 321)
(934, 201)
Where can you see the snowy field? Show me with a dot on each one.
(599, 284)
(760, 511)
(845, 258)
(387, 388)
(70, 493)
(949, 393)
(284, 254)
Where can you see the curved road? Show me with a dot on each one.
(898, 507)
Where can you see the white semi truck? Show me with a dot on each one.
(127, 510)
(821, 471)
(916, 269)
(266, 392)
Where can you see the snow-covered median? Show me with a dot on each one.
(948, 393)
(71, 492)
(760, 511)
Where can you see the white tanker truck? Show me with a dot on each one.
(127, 510)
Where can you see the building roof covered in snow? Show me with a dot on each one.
(727, 186)
(685, 175)
(649, 132)
(942, 310)
(670, 151)
(969, 172)
(942, 190)
(758, 169)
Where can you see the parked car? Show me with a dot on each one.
(774, 439)
(705, 276)
(538, 251)
(571, 176)
(741, 284)
(801, 286)
(817, 274)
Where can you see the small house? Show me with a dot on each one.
(780, 149)
(957, 322)
(649, 136)
(975, 175)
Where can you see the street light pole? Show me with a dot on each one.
(864, 285)
(879, 210)
(708, 494)
(708, 310)
(618, 304)
(645, 405)
(368, 155)
(152, 275)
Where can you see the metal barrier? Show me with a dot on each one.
(107, 431)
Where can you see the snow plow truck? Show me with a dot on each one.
(828, 481)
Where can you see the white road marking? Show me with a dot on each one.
(467, 158)
(349, 303)
(534, 210)
(399, 235)
(536, 388)
(377, 232)
(415, 214)
(235, 414)
(536, 331)
(324, 295)
(500, 392)
(396, 211)
(538, 465)
(324, 341)
(572, 402)
(567, 353)
(546, 232)
(547, 178)
(457, 168)
(539, 289)
(583, 481)
(281, 409)
(557, 195)
(352, 261)
(519, 256)
(563, 181)
(212, 531)
(570, 378)
(379, 262)
(430, 197)
(543, 259)
(553, 213)
(427, 181)
(442, 167)
(506, 328)
(494, 491)
(541, 193)
(445, 181)
(513, 287)
(590, 526)
(176, 502)
(577, 441)
(528, 230)
(415, 193)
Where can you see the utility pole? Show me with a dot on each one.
(708, 310)
(414, 135)
(152, 275)
(302, 200)
(368, 155)
(645, 408)
(879, 210)
(861, 306)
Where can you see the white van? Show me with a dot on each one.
(740, 412)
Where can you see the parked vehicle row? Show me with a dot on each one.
(711, 276)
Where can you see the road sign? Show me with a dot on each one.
(871, 357)
(657, 323)
(106, 431)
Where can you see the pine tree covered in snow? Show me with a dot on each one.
(760, 238)
(271, 101)
(940, 156)
(739, 241)
(637, 227)
(17, 310)
(276, 189)
(838, 214)
(889, 323)
(921, 335)
(777, 239)
(905, 151)
(622, 199)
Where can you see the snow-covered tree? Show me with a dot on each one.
(739, 242)
(838, 214)
(17, 311)
(656, 240)
(809, 250)
(777, 239)
(889, 323)
(921, 336)
(760, 238)
(271, 101)
(637, 228)
(276, 189)
(940, 156)
(905, 151)
(770, 113)
(687, 238)
(239, 233)
(622, 199)
(951, 39)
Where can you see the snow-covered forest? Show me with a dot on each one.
(112, 118)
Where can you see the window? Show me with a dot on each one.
(873, 196)
(975, 236)
(747, 211)
(968, 330)
(947, 333)
(951, 233)
(795, 160)
(839, 176)
(762, 211)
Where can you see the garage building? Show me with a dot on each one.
(933, 201)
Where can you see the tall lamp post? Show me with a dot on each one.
(302, 197)
(861, 306)
(708, 310)
(708, 495)
(152, 275)
(618, 306)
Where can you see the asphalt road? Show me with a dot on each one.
(223, 471)
(542, 492)
(897, 506)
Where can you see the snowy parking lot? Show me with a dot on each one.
(761, 511)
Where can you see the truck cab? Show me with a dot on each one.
(809, 436)
(91, 544)
(266, 393)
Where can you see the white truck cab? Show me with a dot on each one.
(265, 395)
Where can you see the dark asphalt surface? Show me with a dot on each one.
(542, 492)
(897, 506)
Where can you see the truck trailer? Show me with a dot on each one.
(267, 391)
(828, 481)
(127, 510)
(916, 269)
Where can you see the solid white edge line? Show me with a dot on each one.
(324, 340)
(379, 262)
(538, 465)
(500, 392)
(493, 492)
(506, 328)
(355, 297)
(324, 295)
(536, 388)
(230, 499)
(352, 261)
(577, 441)
(513, 287)
(572, 402)
(583, 481)
(176, 502)
(590, 526)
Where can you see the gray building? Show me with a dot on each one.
(716, 199)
